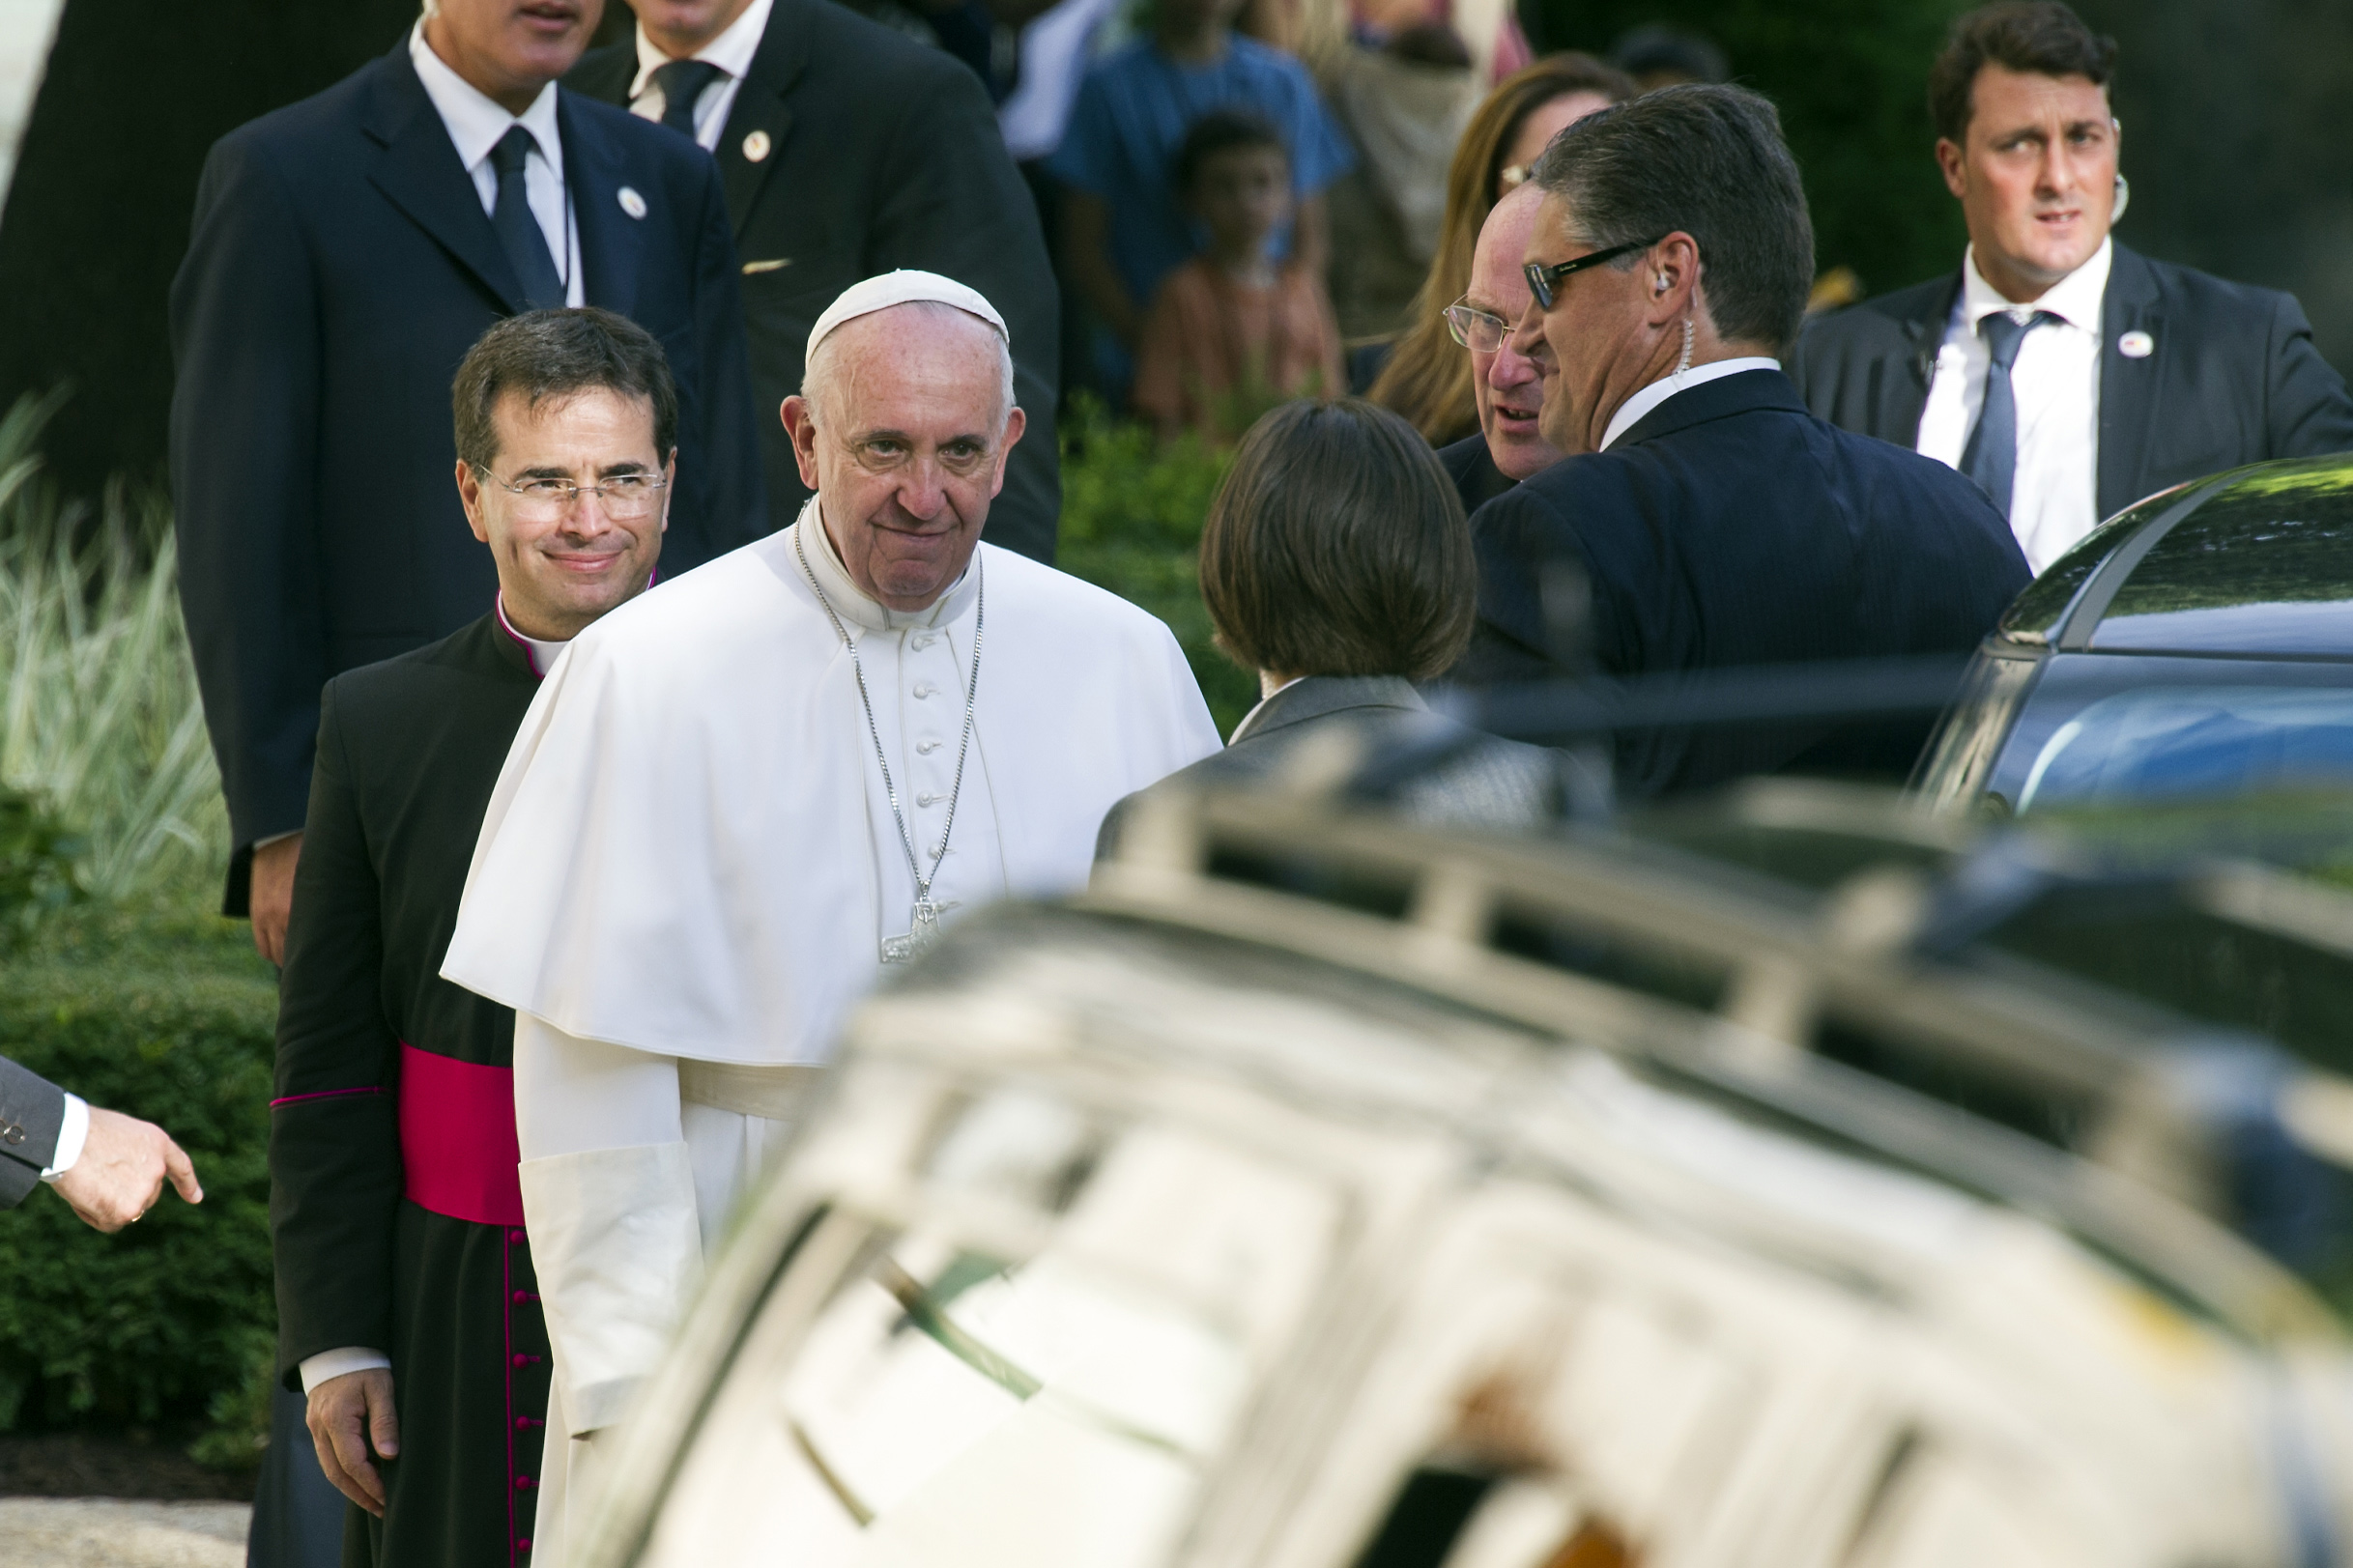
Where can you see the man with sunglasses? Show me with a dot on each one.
(408, 1302)
(1714, 520)
(1505, 384)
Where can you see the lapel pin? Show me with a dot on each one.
(632, 203)
(2135, 345)
(756, 147)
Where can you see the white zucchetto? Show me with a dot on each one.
(905, 287)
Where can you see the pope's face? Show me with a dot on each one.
(562, 564)
(909, 448)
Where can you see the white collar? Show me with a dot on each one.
(541, 650)
(851, 602)
(2076, 299)
(731, 52)
(473, 120)
(1630, 412)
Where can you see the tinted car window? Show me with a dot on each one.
(2264, 567)
(2034, 615)
(2215, 742)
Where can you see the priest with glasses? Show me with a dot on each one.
(741, 799)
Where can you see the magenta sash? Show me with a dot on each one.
(457, 1138)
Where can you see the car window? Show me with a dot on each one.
(2212, 742)
(2264, 567)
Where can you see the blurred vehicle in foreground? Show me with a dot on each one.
(1320, 1192)
(2199, 645)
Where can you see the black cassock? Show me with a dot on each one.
(395, 1215)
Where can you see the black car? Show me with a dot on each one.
(2197, 646)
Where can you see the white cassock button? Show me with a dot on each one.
(2135, 345)
(924, 640)
(925, 799)
(756, 145)
(925, 748)
(632, 203)
(922, 691)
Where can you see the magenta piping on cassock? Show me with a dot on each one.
(457, 1138)
(326, 1094)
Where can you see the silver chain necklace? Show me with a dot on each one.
(923, 922)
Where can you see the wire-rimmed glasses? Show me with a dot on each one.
(626, 497)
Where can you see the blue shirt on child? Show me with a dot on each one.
(1131, 115)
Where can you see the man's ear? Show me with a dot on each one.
(470, 496)
(1954, 164)
(800, 422)
(1015, 423)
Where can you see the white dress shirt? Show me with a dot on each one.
(1629, 413)
(2057, 384)
(73, 1131)
(476, 124)
(730, 52)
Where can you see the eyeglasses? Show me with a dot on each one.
(1479, 330)
(1541, 278)
(1514, 176)
(625, 498)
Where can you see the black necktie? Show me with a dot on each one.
(519, 231)
(1991, 457)
(682, 82)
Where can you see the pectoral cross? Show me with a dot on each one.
(923, 929)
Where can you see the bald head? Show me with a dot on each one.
(903, 425)
(1507, 386)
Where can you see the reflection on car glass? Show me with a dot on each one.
(2209, 742)
(2272, 540)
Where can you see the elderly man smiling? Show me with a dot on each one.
(740, 798)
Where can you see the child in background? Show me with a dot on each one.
(1234, 329)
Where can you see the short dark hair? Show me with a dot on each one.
(1708, 161)
(1337, 546)
(2040, 37)
(557, 353)
(1221, 130)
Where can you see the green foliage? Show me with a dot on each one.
(1131, 515)
(1850, 79)
(36, 866)
(100, 719)
(145, 1328)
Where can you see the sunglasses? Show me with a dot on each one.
(1541, 278)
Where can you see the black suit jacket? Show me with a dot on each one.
(1729, 527)
(339, 269)
(409, 750)
(2234, 379)
(882, 154)
(1472, 466)
(32, 1111)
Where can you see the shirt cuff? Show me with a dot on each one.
(318, 1369)
(268, 838)
(73, 1131)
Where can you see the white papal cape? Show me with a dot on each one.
(690, 858)
(676, 857)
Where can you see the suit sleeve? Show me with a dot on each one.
(732, 494)
(335, 1174)
(951, 202)
(1520, 538)
(31, 1110)
(2307, 411)
(245, 489)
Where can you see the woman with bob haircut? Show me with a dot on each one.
(1337, 562)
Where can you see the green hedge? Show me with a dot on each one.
(166, 1324)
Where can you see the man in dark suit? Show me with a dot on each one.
(109, 1168)
(1505, 384)
(408, 1309)
(1716, 522)
(346, 251)
(2067, 373)
(850, 150)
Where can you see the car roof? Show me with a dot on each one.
(2254, 561)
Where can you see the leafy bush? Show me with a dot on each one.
(164, 1323)
(36, 866)
(1131, 515)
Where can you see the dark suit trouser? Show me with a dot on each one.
(297, 1514)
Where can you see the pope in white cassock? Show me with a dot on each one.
(739, 796)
